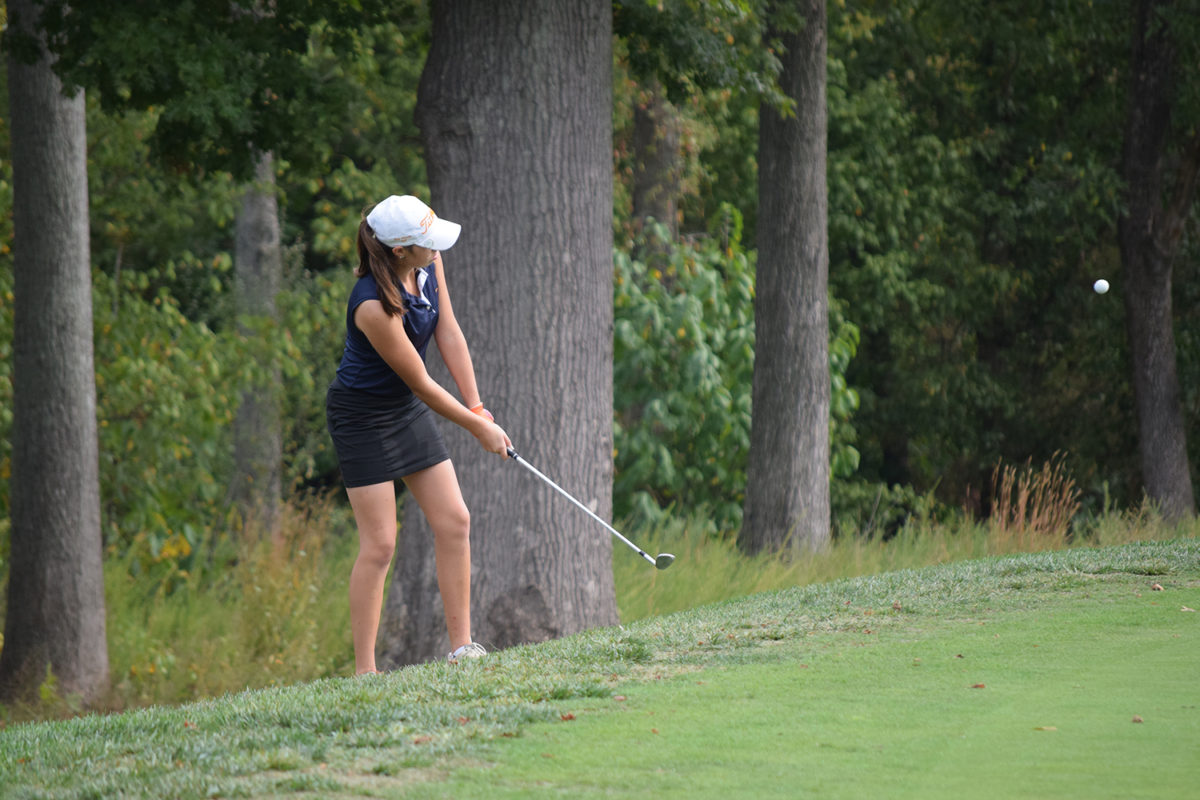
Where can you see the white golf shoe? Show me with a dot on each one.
(468, 651)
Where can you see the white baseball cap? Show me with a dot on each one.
(405, 221)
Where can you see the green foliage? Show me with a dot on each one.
(145, 218)
(146, 215)
(165, 403)
(683, 364)
(228, 81)
(376, 149)
(984, 140)
(865, 509)
(843, 399)
(718, 134)
(683, 374)
(167, 389)
(312, 328)
(698, 45)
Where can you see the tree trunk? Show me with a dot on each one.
(1149, 239)
(787, 477)
(56, 583)
(515, 110)
(258, 434)
(658, 164)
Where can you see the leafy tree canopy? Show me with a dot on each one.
(691, 45)
(228, 78)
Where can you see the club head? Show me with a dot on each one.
(664, 560)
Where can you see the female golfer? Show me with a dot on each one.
(380, 414)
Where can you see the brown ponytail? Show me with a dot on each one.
(377, 260)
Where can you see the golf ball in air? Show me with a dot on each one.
(1101, 286)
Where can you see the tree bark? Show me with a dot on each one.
(787, 477)
(258, 428)
(514, 107)
(1149, 233)
(55, 615)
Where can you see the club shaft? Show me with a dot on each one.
(516, 457)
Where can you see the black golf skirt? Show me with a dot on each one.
(380, 439)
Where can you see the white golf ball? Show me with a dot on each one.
(1101, 286)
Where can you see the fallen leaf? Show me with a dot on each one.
(1136, 718)
(654, 730)
(568, 717)
(1045, 728)
(960, 655)
(620, 698)
(979, 686)
(547, 755)
(1156, 587)
(463, 720)
(896, 606)
(1185, 608)
(422, 739)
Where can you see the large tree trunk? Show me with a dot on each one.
(56, 584)
(258, 429)
(787, 477)
(515, 110)
(1150, 231)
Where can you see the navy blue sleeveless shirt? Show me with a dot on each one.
(362, 368)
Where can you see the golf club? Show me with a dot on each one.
(662, 561)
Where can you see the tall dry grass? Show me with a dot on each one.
(1032, 509)
(249, 614)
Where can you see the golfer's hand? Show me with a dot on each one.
(494, 439)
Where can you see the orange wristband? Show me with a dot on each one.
(483, 412)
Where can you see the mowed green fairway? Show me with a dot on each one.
(1056, 675)
(1038, 702)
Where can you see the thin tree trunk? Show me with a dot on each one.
(55, 615)
(258, 428)
(1149, 239)
(515, 110)
(658, 164)
(787, 477)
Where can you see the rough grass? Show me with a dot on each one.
(384, 735)
(709, 567)
(259, 615)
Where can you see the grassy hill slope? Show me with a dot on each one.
(1014, 676)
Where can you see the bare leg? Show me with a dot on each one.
(437, 492)
(375, 514)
